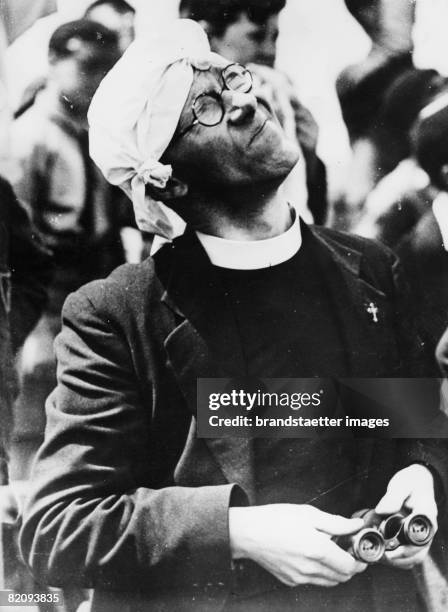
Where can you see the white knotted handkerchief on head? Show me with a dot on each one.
(135, 112)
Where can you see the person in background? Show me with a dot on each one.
(25, 271)
(16, 16)
(399, 199)
(424, 250)
(246, 31)
(361, 88)
(118, 16)
(68, 199)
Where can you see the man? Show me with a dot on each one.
(57, 181)
(361, 90)
(25, 272)
(126, 498)
(24, 276)
(397, 202)
(246, 31)
(67, 197)
(15, 17)
(243, 31)
(424, 249)
(118, 16)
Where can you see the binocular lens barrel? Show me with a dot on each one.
(415, 529)
(418, 529)
(367, 546)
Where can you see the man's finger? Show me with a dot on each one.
(426, 506)
(404, 564)
(392, 501)
(407, 552)
(323, 582)
(338, 560)
(407, 564)
(334, 524)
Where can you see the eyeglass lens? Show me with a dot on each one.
(237, 78)
(208, 108)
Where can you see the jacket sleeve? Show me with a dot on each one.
(92, 519)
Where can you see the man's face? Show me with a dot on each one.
(77, 77)
(120, 23)
(247, 147)
(246, 42)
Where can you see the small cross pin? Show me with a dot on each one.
(373, 310)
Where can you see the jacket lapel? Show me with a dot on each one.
(359, 307)
(205, 342)
(194, 292)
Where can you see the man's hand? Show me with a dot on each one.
(293, 542)
(412, 489)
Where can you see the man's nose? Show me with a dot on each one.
(239, 106)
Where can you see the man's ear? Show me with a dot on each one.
(175, 189)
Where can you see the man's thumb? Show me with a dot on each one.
(392, 501)
(334, 524)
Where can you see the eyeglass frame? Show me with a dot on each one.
(218, 96)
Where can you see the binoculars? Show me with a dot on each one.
(385, 533)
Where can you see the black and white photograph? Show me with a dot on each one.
(223, 305)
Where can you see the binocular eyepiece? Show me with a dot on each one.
(382, 534)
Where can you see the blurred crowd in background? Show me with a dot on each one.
(359, 83)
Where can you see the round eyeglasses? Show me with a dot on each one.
(208, 108)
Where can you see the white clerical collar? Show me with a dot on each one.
(440, 210)
(252, 254)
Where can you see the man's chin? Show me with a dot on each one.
(268, 181)
(280, 169)
(283, 158)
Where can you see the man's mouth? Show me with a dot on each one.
(258, 131)
(264, 105)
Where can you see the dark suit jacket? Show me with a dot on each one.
(125, 496)
(426, 264)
